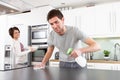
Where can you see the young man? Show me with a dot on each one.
(64, 37)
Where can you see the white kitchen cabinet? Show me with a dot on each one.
(116, 16)
(94, 21)
(90, 65)
(83, 18)
(103, 66)
(102, 21)
(107, 20)
(86, 20)
(99, 21)
(103, 26)
(54, 63)
(118, 66)
(69, 17)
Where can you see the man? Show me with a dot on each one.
(64, 37)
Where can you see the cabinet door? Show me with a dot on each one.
(69, 18)
(117, 21)
(87, 20)
(118, 66)
(90, 65)
(54, 64)
(103, 66)
(95, 21)
(103, 21)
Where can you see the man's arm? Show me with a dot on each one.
(92, 47)
(46, 58)
(48, 54)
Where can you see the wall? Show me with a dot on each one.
(3, 24)
(106, 44)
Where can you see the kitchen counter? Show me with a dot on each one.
(103, 61)
(56, 73)
(96, 61)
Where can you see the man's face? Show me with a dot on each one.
(57, 24)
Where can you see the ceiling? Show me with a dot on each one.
(17, 6)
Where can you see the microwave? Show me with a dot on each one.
(39, 33)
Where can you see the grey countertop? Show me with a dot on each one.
(56, 73)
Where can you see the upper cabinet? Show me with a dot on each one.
(69, 17)
(116, 18)
(86, 20)
(103, 21)
(97, 21)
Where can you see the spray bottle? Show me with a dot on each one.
(80, 60)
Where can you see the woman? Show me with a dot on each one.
(19, 52)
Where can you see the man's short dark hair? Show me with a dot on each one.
(53, 13)
(11, 31)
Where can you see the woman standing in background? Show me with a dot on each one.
(18, 50)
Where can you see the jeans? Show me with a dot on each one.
(69, 65)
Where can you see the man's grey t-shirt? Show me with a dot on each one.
(66, 41)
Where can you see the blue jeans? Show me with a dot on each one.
(69, 65)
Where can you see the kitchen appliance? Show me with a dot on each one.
(39, 33)
(7, 62)
(37, 37)
(38, 55)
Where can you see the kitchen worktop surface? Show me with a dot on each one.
(103, 61)
(56, 73)
(97, 61)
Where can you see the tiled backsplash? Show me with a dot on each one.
(106, 44)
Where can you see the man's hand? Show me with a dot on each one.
(75, 53)
(39, 66)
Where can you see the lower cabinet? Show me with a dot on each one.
(103, 66)
(54, 63)
(92, 65)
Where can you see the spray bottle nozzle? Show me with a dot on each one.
(69, 51)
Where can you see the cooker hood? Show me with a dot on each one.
(6, 10)
(14, 6)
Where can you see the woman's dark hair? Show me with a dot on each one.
(53, 13)
(11, 31)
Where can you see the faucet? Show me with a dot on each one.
(115, 51)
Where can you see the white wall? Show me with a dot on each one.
(20, 21)
(3, 24)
